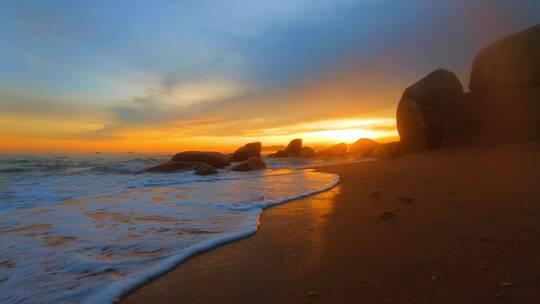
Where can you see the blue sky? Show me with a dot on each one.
(120, 65)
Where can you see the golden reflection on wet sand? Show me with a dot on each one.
(314, 211)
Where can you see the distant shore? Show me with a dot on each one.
(450, 226)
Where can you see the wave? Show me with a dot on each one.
(115, 290)
(100, 235)
(13, 170)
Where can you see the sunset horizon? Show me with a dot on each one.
(220, 77)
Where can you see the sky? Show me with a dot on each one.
(165, 76)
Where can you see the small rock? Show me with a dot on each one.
(364, 147)
(253, 163)
(246, 151)
(311, 294)
(281, 153)
(216, 159)
(307, 152)
(337, 150)
(205, 169)
(294, 147)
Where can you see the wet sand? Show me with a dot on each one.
(451, 226)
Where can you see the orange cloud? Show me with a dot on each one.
(340, 106)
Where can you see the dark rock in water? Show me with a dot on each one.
(363, 146)
(307, 152)
(388, 150)
(510, 63)
(253, 163)
(206, 169)
(490, 118)
(294, 147)
(173, 166)
(247, 151)
(418, 113)
(215, 159)
(337, 150)
(280, 153)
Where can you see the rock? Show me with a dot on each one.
(337, 150)
(280, 153)
(245, 152)
(173, 166)
(363, 147)
(215, 159)
(251, 164)
(418, 113)
(510, 63)
(294, 147)
(492, 118)
(307, 152)
(206, 169)
(388, 150)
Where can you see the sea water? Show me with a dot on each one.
(88, 228)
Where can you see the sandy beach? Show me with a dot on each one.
(451, 226)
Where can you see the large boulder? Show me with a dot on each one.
(418, 113)
(251, 164)
(173, 166)
(215, 159)
(388, 150)
(510, 63)
(337, 150)
(294, 147)
(307, 152)
(245, 152)
(363, 147)
(497, 117)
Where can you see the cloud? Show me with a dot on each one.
(17, 104)
(233, 68)
(343, 94)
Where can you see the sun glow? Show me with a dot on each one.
(340, 135)
(333, 131)
(173, 139)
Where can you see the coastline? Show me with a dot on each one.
(448, 226)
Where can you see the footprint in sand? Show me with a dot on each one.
(406, 200)
(375, 194)
(389, 216)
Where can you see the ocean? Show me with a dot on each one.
(86, 228)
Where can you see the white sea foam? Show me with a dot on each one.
(87, 229)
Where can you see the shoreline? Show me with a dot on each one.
(426, 228)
